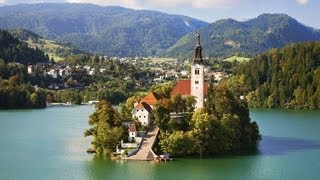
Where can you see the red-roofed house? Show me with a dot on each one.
(151, 99)
(143, 109)
(132, 132)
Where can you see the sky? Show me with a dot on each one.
(305, 11)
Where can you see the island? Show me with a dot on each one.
(189, 117)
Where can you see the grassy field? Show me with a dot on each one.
(237, 58)
(49, 47)
(159, 59)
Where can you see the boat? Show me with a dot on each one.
(91, 150)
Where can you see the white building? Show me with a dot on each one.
(196, 86)
(143, 109)
(30, 69)
(132, 132)
(197, 76)
(53, 73)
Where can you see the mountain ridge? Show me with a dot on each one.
(123, 32)
(113, 31)
(228, 36)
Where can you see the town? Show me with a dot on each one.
(162, 70)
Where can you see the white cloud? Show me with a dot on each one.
(139, 4)
(302, 2)
(2, 1)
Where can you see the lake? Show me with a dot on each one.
(49, 144)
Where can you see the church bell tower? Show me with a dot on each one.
(197, 76)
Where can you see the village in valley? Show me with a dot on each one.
(161, 70)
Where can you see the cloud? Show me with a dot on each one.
(140, 4)
(302, 2)
(2, 1)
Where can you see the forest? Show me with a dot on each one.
(13, 50)
(17, 95)
(286, 77)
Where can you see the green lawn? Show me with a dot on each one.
(49, 47)
(237, 58)
(159, 59)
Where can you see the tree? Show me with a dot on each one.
(107, 130)
(34, 99)
(126, 108)
(177, 143)
(190, 103)
(49, 98)
(286, 77)
(178, 104)
(163, 89)
(201, 125)
(161, 114)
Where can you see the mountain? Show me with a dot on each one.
(228, 36)
(13, 50)
(57, 51)
(113, 31)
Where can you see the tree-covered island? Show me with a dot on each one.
(223, 126)
(192, 118)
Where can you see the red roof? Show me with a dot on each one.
(151, 99)
(132, 128)
(144, 105)
(183, 87)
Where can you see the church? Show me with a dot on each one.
(196, 86)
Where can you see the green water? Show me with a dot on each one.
(48, 144)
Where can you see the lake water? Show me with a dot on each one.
(49, 144)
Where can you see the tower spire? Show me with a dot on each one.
(198, 52)
(198, 36)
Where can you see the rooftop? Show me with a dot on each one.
(151, 99)
(183, 87)
(132, 128)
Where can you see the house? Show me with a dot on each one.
(143, 109)
(184, 73)
(53, 73)
(132, 132)
(170, 74)
(30, 69)
(196, 86)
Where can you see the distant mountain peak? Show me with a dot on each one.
(228, 36)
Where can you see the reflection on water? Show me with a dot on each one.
(271, 145)
(103, 168)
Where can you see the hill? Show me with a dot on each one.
(226, 37)
(13, 50)
(288, 77)
(57, 51)
(113, 31)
